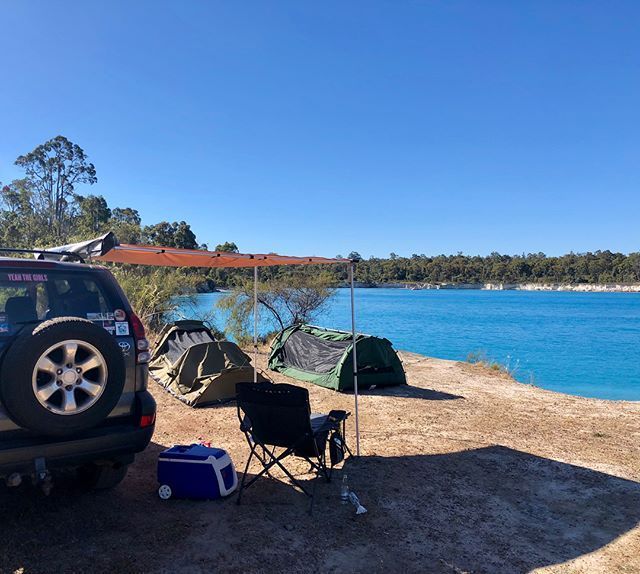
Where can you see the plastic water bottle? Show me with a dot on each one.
(344, 490)
(353, 498)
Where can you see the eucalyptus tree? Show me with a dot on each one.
(53, 170)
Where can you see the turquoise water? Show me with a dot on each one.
(578, 343)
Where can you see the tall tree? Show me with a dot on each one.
(53, 170)
(227, 246)
(19, 223)
(93, 215)
(126, 224)
(176, 234)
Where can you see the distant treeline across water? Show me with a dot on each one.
(599, 267)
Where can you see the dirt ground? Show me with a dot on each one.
(464, 470)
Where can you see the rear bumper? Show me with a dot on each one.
(113, 442)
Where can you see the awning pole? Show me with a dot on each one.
(255, 324)
(355, 356)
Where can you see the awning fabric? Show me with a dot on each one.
(107, 248)
(175, 257)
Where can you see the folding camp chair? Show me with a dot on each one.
(278, 416)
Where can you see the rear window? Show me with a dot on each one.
(31, 297)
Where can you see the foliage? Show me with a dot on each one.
(93, 216)
(481, 359)
(228, 247)
(20, 225)
(152, 291)
(53, 169)
(126, 224)
(298, 299)
(590, 267)
(176, 234)
(43, 209)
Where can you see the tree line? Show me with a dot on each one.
(591, 267)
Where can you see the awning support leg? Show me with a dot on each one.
(355, 355)
(255, 324)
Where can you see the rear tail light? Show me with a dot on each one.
(142, 344)
(147, 420)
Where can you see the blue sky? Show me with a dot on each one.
(325, 127)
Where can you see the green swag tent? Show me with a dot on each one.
(325, 357)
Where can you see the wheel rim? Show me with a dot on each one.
(69, 377)
(165, 492)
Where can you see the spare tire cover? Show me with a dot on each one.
(64, 376)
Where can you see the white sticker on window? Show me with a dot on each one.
(100, 316)
(122, 328)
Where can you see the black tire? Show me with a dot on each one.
(102, 476)
(19, 363)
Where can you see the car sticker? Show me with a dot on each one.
(109, 326)
(100, 316)
(4, 323)
(27, 277)
(122, 328)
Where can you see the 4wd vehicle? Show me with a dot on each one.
(73, 374)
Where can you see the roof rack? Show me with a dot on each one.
(43, 252)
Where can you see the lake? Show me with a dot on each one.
(584, 344)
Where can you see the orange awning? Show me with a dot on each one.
(175, 257)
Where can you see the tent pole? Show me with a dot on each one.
(255, 324)
(355, 356)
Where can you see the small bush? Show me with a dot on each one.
(481, 358)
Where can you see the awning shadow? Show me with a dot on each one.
(410, 392)
(494, 509)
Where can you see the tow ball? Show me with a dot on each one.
(42, 476)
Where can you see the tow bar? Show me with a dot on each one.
(42, 477)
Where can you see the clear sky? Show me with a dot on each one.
(324, 127)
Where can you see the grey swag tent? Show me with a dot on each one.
(195, 368)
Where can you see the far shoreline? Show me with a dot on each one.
(574, 288)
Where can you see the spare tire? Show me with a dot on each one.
(64, 376)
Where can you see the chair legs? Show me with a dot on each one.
(269, 460)
(244, 477)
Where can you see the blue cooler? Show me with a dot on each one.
(195, 471)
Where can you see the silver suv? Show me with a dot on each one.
(73, 374)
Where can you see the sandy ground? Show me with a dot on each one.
(464, 470)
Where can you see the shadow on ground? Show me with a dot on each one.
(409, 392)
(486, 510)
(494, 509)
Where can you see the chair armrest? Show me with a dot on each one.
(337, 416)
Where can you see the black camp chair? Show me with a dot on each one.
(278, 416)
